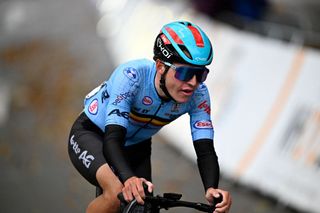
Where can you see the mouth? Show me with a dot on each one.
(187, 92)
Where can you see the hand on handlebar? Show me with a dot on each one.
(133, 188)
(224, 197)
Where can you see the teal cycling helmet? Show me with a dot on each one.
(183, 42)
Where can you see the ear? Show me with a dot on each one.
(160, 67)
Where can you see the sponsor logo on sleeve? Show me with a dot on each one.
(131, 73)
(205, 124)
(93, 107)
(147, 100)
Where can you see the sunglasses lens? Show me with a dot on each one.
(187, 73)
(201, 77)
(183, 74)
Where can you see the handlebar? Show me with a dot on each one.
(153, 204)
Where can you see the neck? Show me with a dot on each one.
(160, 92)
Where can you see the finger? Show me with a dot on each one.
(137, 196)
(140, 189)
(137, 190)
(217, 194)
(150, 187)
(210, 200)
(210, 195)
(149, 184)
(221, 204)
(127, 194)
(221, 210)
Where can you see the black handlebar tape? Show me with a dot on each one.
(121, 198)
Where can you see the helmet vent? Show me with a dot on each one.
(185, 51)
(197, 36)
(174, 35)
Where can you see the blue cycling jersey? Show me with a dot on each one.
(129, 98)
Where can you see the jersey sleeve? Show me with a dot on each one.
(200, 114)
(125, 82)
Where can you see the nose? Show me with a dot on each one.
(193, 81)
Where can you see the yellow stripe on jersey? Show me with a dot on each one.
(156, 121)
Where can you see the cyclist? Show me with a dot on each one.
(110, 141)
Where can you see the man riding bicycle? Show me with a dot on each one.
(110, 141)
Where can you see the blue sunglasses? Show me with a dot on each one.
(186, 73)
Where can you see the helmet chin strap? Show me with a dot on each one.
(163, 86)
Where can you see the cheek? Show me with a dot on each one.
(174, 83)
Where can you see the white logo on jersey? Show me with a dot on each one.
(131, 73)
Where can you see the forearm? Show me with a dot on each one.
(207, 163)
(113, 151)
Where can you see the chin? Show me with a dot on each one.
(182, 99)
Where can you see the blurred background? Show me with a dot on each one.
(264, 87)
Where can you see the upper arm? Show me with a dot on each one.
(200, 115)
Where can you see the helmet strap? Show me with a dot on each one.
(163, 85)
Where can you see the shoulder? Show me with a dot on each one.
(135, 69)
(138, 64)
(201, 92)
(200, 99)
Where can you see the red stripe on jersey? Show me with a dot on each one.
(197, 36)
(174, 36)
